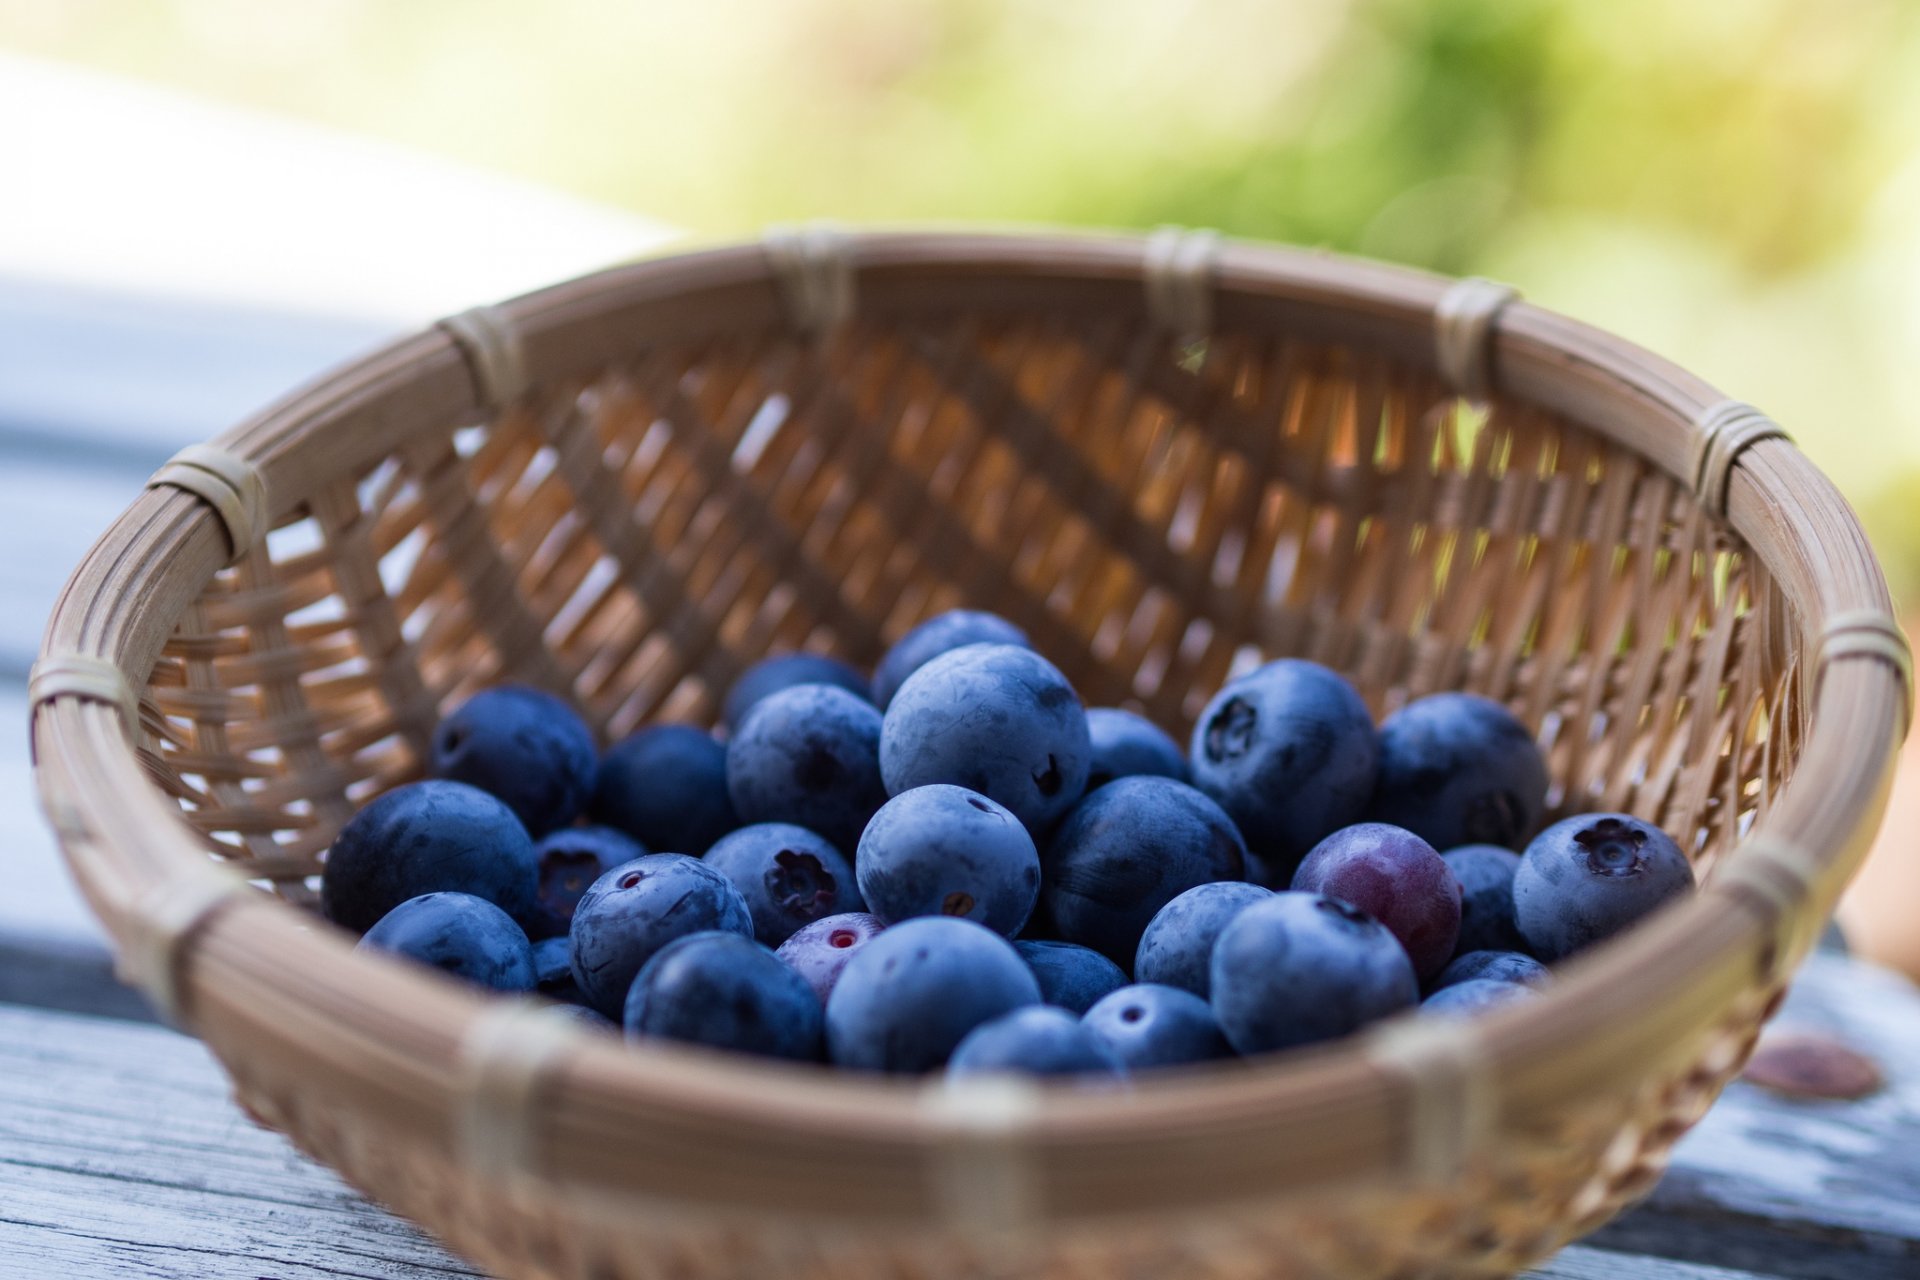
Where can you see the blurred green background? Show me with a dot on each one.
(1735, 183)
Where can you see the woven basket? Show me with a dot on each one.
(1166, 460)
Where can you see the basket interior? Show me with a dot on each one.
(1159, 515)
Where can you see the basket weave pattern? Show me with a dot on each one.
(683, 472)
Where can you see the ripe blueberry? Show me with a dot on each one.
(458, 934)
(809, 755)
(523, 745)
(910, 995)
(788, 875)
(783, 671)
(553, 970)
(1494, 966)
(1071, 977)
(942, 850)
(820, 951)
(1300, 968)
(666, 786)
(935, 636)
(1476, 994)
(993, 718)
(1038, 1040)
(1485, 873)
(726, 992)
(569, 861)
(1126, 745)
(639, 907)
(1587, 878)
(1128, 850)
(1288, 750)
(1177, 948)
(422, 838)
(1154, 1026)
(1397, 878)
(1457, 768)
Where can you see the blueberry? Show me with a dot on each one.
(569, 861)
(1071, 977)
(935, 636)
(1457, 768)
(726, 992)
(523, 745)
(1485, 873)
(809, 755)
(635, 909)
(945, 851)
(1154, 1026)
(788, 875)
(1289, 752)
(993, 718)
(1494, 966)
(1128, 850)
(666, 786)
(1300, 968)
(783, 671)
(459, 934)
(1475, 995)
(1587, 878)
(1126, 745)
(1177, 947)
(819, 952)
(422, 838)
(1038, 1040)
(1396, 877)
(910, 995)
(553, 970)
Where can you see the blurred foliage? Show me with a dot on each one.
(1734, 182)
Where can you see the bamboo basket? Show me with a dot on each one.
(1166, 459)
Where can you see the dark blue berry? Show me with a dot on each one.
(819, 952)
(553, 970)
(935, 636)
(523, 745)
(1301, 968)
(1457, 768)
(1038, 1041)
(910, 995)
(1585, 879)
(1156, 1026)
(783, 671)
(1289, 751)
(1071, 977)
(569, 861)
(1485, 873)
(789, 876)
(1395, 877)
(809, 755)
(1494, 966)
(946, 851)
(1126, 745)
(666, 786)
(1177, 948)
(726, 992)
(993, 718)
(1475, 995)
(1128, 850)
(428, 837)
(458, 934)
(634, 910)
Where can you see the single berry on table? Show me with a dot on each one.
(1070, 976)
(634, 910)
(909, 996)
(1457, 768)
(1301, 968)
(1289, 751)
(569, 861)
(458, 934)
(1485, 873)
(1177, 948)
(788, 875)
(820, 952)
(1126, 745)
(666, 786)
(809, 755)
(1149, 1025)
(1585, 879)
(1396, 877)
(726, 992)
(996, 719)
(428, 837)
(943, 850)
(1038, 1040)
(525, 746)
(935, 636)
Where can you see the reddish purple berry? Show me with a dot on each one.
(1397, 878)
(819, 951)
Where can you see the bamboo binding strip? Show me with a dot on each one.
(627, 487)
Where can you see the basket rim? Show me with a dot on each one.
(405, 1041)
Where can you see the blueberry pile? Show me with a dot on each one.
(955, 866)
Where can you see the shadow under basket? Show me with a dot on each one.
(1167, 460)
